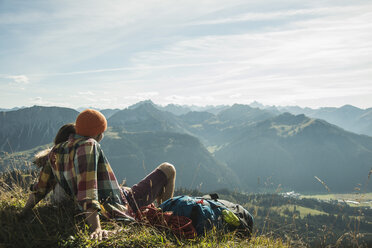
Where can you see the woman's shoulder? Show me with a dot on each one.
(85, 142)
(76, 143)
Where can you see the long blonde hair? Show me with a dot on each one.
(64, 132)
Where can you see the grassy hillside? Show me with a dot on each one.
(49, 225)
(280, 221)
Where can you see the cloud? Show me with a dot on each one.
(17, 82)
(42, 102)
(86, 99)
(105, 100)
(86, 93)
(19, 79)
(289, 50)
(188, 100)
(274, 15)
(59, 30)
(141, 96)
(136, 67)
(148, 94)
(37, 99)
(322, 52)
(235, 96)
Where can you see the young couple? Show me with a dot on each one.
(77, 164)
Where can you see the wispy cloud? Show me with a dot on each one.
(133, 68)
(317, 54)
(18, 79)
(190, 100)
(202, 52)
(41, 101)
(274, 15)
(87, 93)
(37, 100)
(236, 96)
(142, 96)
(68, 36)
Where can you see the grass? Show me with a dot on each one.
(62, 226)
(279, 222)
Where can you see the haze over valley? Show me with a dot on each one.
(251, 148)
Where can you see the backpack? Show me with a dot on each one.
(208, 211)
(181, 226)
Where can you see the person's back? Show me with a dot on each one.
(82, 170)
(79, 166)
(41, 158)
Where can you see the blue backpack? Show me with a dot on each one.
(207, 212)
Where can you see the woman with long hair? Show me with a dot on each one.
(62, 136)
(82, 170)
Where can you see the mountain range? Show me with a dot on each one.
(295, 150)
(249, 148)
(29, 127)
(348, 117)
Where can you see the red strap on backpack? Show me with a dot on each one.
(181, 226)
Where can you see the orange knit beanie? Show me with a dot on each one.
(90, 123)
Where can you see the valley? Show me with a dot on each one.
(238, 147)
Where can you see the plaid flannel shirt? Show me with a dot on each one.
(82, 170)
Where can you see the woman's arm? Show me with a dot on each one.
(95, 225)
(32, 200)
(45, 183)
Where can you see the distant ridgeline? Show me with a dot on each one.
(238, 147)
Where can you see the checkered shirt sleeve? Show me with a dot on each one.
(45, 182)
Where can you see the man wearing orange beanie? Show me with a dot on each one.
(80, 167)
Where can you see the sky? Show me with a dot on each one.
(112, 54)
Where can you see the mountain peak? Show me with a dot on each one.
(349, 106)
(242, 106)
(256, 104)
(148, 106)
(290, 119)
(141, 103)
(236, 109)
